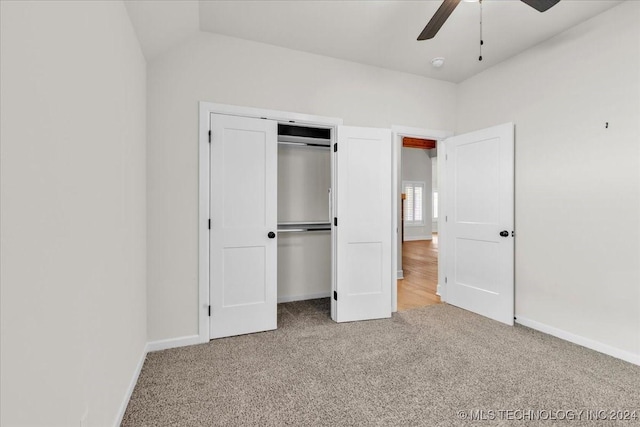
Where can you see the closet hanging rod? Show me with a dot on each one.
(302, 230)
(304, 224)
(305, 144)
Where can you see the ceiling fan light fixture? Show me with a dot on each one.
(437, 62)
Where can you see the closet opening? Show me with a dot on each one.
(304, 220)
(418, 228)
(274, 188)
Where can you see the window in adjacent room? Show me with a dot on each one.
(414, 203)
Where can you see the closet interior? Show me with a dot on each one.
(304, 212)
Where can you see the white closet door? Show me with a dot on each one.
(479, 222)
(243, 288)
(364, 230)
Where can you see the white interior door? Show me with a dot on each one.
(364, 230)
(243, 263)
(479, 222)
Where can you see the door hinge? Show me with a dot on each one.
(446, 218)
(335, 295)
(209, 224)
(335, 147)
(209, 137)
(335, 222)
(209, 311)
(446, 157)
(445, 280)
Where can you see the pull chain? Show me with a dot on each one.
(481, 41)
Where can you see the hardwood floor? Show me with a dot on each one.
(420, 267)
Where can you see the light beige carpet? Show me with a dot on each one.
(422, 367)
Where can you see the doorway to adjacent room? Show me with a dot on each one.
(419, 224)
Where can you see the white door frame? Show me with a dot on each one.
(205, 111)
(438, 135)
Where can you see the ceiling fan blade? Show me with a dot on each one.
(438, 19)
(541, 5)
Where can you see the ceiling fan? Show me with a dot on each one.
(448, 6)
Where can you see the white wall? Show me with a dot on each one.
(232, 71)
(416, 166)
(73, 299)
(577, 183)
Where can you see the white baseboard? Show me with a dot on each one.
(173, 343)
(414, 238)
(132, 385)
(580, 340)
(304, 297)
(400, 274)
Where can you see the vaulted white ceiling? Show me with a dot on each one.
(379, 33)
(161, 25)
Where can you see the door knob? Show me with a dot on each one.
(271, 235)
(504, 233)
